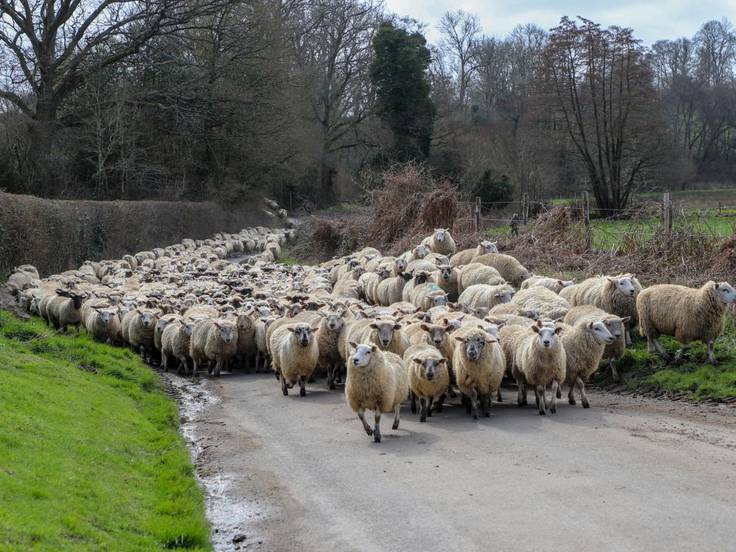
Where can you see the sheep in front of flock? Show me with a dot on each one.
(616, 326)
(212, 341)
(479, 365)
(429, 378)
(377, 381)
(294, 354)
(584, 344)
(537, 358)
(687, 314)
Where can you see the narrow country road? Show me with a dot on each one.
(292, 473)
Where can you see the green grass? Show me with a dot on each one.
(90, 455)
(608, 234)
(697, 379)
(289, 260)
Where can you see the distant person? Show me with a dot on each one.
(515, 224)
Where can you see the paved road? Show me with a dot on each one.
(299, 474)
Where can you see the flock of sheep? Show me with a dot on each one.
(423, 325)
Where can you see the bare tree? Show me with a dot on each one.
(601, 86)
(338, 50)
(460, 31)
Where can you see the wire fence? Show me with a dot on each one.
(624, 229)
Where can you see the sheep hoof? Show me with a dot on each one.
(559, 393)
(586, 404)
(376, 437)
(422, 418)
(572, 401)
(369, 431)
(553, 409)
(332, 386)
(396, 424)
(542, 412)
(302, 392)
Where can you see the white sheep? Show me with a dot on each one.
(687, 314)
(429, 378)
(484, 297)
(584, 344)
(543, 301)
(440, 242)
(212, 340)
(377, 381)
(479, 365)
(477, 273)
(466, 256)
(553, 284)
(294, 353)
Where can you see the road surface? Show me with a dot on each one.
(293, 473)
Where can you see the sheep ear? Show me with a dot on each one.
(558, 330)
(611, 279)
(458, 338)
(625, 319)
(374, 348)
(491, 340)
(535, 328)
(442, 361)
(353, 344)
(397, 327)
(424, 327)
(417, 360)
(291, 329)
(314, 328)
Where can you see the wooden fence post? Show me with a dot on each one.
(667, 213)
(524, 208)
(586, 221)
(476, 218)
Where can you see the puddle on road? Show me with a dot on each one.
(229, 514)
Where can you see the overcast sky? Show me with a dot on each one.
(651, 19)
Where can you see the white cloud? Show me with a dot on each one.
(651, 19)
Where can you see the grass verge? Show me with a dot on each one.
(694, 379)
(90, 455)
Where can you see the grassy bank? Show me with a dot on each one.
(90, 456)
(694, 379)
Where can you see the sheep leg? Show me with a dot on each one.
(439, 404)
(681, 353)
(556, 393)
(627, 335)
(361, 415)
(474, 403)
(413, 404)
(218, 367)
(571, 394)
(499, 396)
(614, 371)
(539, 392)
(302, 386)
(377, 427)
(485, 405)
(397, 417)
(284, 387)
(430, 401)
(423, 413)
(195, 369)
(660, 349)
(583, 397)
(520, 394)
(331, 376)
(711, 353)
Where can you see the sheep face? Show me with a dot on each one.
(446, 273)
(383, 273)
(565, 283)
(148, 319)
(616, 326)
(385, 331)
(420, 278)
(624, 285)
(362, 355)
(226, 331)
(726, 293)
(429, 367)
(106, 315)
(473, 345)
(504, 296)
(400, 265)
(439, 301)
(334, 321)
(161, 324)
(547, 335)
(437, 334)
(421, 251)
(600, 331)
(303, 334)
(440, 235)
(488, 246)
(188, 328)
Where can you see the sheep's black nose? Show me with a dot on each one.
(546, 343)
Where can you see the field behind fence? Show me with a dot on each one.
(709, 213)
